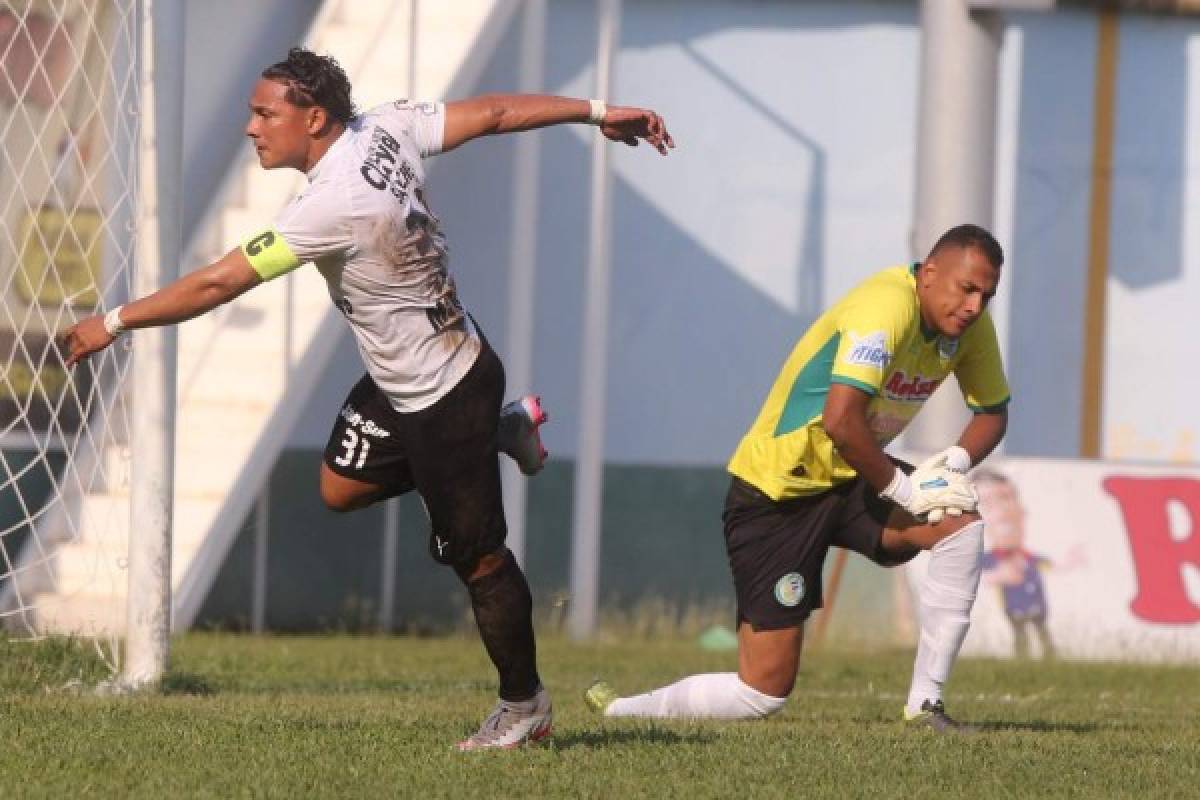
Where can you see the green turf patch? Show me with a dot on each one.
(49, 664)
(347, 716)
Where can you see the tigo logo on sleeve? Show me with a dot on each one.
(869, 350)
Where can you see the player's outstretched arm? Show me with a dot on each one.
(190, 296)
(509, 113)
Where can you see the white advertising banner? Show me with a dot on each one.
(1088, 560)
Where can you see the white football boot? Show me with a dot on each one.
(513, 724)
(518, 433)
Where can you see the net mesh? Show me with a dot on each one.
(69, 97)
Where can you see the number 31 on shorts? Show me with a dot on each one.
(351, 442)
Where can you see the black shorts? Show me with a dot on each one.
(777, 549)
(447, 452)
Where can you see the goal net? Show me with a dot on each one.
(69, 103)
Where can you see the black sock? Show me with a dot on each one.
(504, 613)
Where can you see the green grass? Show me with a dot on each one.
(376, 717)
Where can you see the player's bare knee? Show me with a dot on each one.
(894, 550)
(949, 526)
(336, 498)
(339, 504)
(342, 494)
(901, 536)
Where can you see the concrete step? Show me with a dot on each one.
(95, 568)
(91, 614)
(104, 519)
(116, 464)
(91, 568)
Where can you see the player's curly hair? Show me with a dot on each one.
(314, 80)
(972, 236)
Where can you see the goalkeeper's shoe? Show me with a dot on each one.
(599, 696)
(513, 724)
(518, 433)
(933, 715)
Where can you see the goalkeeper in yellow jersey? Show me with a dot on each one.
(811, 473)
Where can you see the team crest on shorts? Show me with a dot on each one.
(789, 590)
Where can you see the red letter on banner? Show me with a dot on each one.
(1158, 557)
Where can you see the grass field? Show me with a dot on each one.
(376, 717)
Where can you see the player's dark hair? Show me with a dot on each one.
(972, 236)
(314, 80)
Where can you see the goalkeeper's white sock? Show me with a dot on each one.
(715, 695)
(946, 599)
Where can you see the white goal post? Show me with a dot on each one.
(90, 151)
(160, 246)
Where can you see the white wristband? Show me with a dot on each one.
(596, 112)
(899, 490)
(112, 322)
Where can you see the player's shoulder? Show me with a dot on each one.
(401, 110)
(324, 203)
(889, 294)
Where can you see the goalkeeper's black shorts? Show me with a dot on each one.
(447, 452)
(777, 549)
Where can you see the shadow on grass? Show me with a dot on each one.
(175, 682)
(607, 738)
(1040, 726)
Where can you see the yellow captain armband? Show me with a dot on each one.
(269, 255)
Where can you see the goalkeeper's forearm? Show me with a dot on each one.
(857, 446)
(983, 433)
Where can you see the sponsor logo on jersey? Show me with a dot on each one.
(357, 420)
(789, 590)
(909, 390)
(426, 108)
(869, 351)
(384, 168)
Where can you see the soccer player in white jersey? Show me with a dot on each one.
(426, 414)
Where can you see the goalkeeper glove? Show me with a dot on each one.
(934, 489)
(954, 459)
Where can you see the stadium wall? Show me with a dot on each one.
(228, 44)
(793, 180)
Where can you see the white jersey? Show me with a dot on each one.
(363, 221)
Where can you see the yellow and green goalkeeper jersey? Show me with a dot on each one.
(872, 339)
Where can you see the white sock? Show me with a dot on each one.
(946, 599)
(716, 695)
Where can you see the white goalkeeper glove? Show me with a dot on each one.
(937, 487)
(953, 459)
